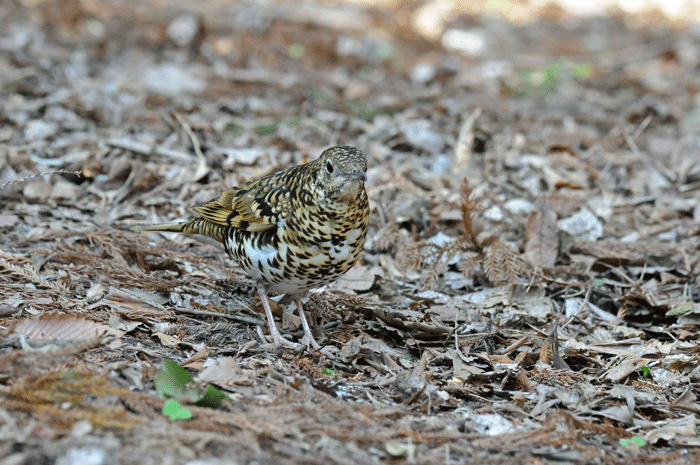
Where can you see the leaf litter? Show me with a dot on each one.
(528, 291)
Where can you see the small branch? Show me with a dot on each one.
(31, 176)
(147, 149)
(651, 164)
(202, 169)
(242, 319)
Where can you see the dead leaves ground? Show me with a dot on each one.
(540, 312)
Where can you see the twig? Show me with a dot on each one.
(202, 168)
(459, 351)
(147, 149)
(194, 311)
(642, 126)
(517, 344)
(646, 159)
(463, 147)
(586, 300)
(30, 176)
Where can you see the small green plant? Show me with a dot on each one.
(681, 309)
(545, 80)
(636, 439)
(316, 93)
(549, 77)
(235, 128)
(360, 110)
(266, 129)
(582, 70)
(175, 411)
(646, 372)
(297, 50)
(295, 121)
(330, 372)
(366, 72)
(173, 381)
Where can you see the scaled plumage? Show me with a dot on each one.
(292, 231)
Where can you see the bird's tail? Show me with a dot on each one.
(197, 226)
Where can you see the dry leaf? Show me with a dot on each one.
(625, 368)
(687, 401)
(226, 373)
(549, 353)
(542, 241)
(8, 220)
(683, 427)
(359, 278)
(61, 328)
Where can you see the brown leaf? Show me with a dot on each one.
(359, 278)
(687, 401)
(227, 373)
(550, 352)
(625, 368)
(131, 304)
(50, 327)
(8, 220)
(671, 432)
(542, 241)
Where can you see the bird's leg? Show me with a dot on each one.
(274, 332)
(308, 339)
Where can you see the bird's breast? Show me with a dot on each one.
(299, 255)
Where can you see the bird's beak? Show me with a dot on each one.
(356, 174)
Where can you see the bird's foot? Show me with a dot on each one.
(286, 342)
(309, 341)
(276, 338)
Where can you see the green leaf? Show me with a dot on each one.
(234, 128)
(265, 129)
(297, 50)
(366, 72)
(583, 70)
(330, 372)
(646, 372)
(171, 379)
(211, 398)
(174, 381)
(681, 309)
(637, 439)
(173, 410)
(315, 93)
(361, 110)
(550, 76)
(295, 121)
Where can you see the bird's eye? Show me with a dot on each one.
(329, 167)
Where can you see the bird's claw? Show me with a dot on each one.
(277, 339)
(310, 343)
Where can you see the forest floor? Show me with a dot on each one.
(528, 293)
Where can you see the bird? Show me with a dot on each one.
(292, 231)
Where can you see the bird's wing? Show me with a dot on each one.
(254, 206)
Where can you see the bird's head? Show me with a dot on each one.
(340, 173)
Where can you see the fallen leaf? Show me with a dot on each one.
(542, 241)
(54, 326)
